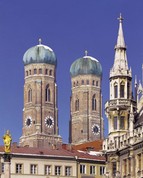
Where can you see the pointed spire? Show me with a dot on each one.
(120, 66)
(120, 39)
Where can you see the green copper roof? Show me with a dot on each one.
(86, 65)
(39, 54)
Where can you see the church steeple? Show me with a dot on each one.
(120, 66)
(120, 39)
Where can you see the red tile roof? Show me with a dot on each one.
(58, 153)
(94, 145)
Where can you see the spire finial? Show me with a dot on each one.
(120, 18)
(40, 41)
(86, 52)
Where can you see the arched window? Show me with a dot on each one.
(77, 105)
(50, 72)
(115, 90)
(46, 71)
(26, 73)
(30, 95)
(40, 71)
(47, 94)
(94, 102)
(35, 71)
(93, 82)
(122, 88)
(82, 82)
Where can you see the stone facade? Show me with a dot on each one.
(123, 147)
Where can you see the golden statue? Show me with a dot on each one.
(7, 141)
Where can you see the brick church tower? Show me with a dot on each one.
(86, 122)
(40, 112)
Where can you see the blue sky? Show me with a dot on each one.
(69, 27)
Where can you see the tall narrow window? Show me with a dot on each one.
(122, 122)
(139, 162)
(35, 71)
(125, 167)
(82, 169)
(26, 73)
(19, 168)
(48, 94)
(68, 171)
(58, 170)
(102, 170)
(33, 169)
(129, 165)
(47, 170)
(77, 105)
(114, 168)
(96, 83)
(50, 72)
(115, 90)
(40, 71)
(92, 170)
(115, 123)
(93, 82)
(128, 90)
(46, 71)
(30, 95)
(77, 83)
(94, 102)
(82, 82)
(122, 88)
(87, 82)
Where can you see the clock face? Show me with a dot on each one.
(49, 121)
(95, 129)
(28, 121)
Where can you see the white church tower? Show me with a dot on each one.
(121, 106)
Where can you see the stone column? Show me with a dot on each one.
(7, 162)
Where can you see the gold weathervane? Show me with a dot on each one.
(7, 139)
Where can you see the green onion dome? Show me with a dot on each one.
(40, 54)
(86, 65)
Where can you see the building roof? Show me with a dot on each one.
(94, 146)
(86, 65)
(52, 153)
(40, 54)
(87, 150)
